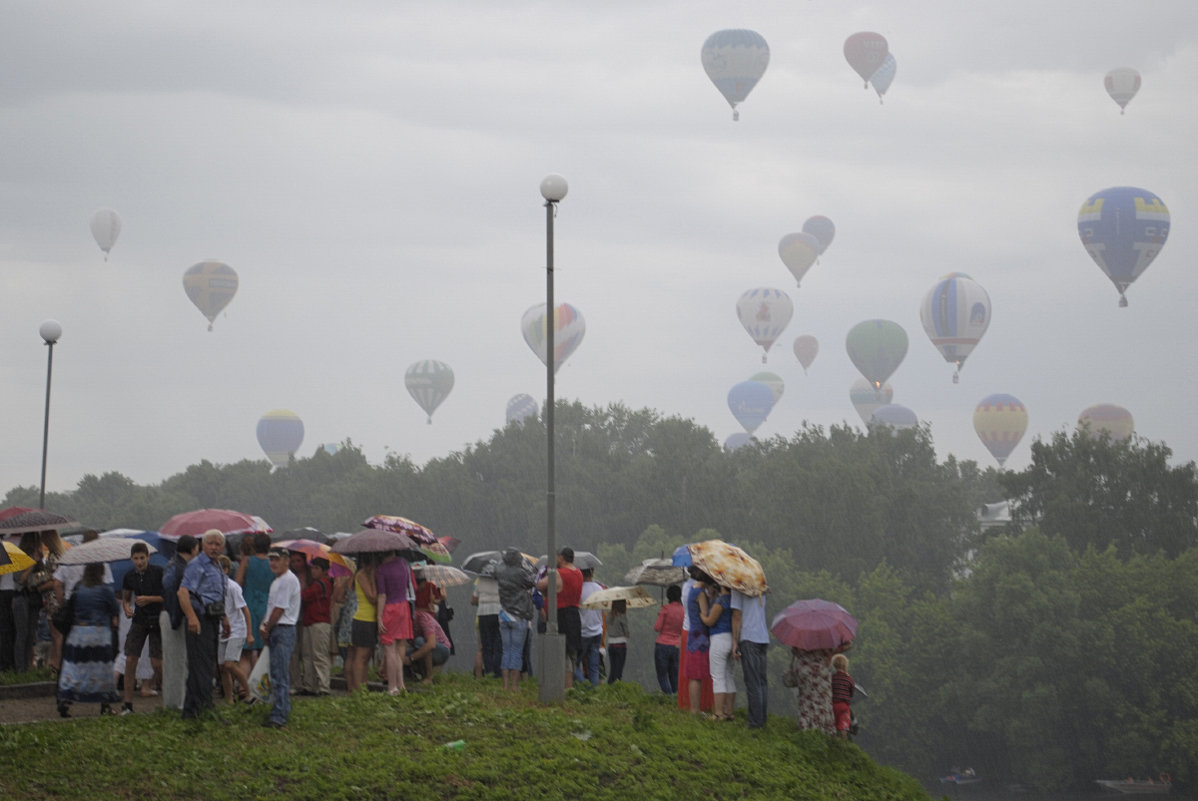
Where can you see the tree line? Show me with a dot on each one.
(1051, 652)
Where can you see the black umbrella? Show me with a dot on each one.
(36, 520)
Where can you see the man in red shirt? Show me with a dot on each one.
(315, 600)
(569, 593)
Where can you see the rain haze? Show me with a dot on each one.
(371, 171)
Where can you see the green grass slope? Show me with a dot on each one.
(615, 742)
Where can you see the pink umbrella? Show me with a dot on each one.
(814, 625)
(225, 521)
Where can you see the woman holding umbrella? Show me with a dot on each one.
(815, 630)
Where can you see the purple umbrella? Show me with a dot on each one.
(814, 625)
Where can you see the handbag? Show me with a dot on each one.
(64, 616)
(790, 676)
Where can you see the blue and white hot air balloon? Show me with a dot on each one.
(750, 403)
(280, 433)
(882, 79)
(895, 416)
(1123, 229)
(955, 314)
(735, 60)
(521, 407)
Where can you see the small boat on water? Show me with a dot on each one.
(1160, 786)
(960, 777)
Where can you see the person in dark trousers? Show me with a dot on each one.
(202, 599)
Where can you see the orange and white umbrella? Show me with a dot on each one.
(729, 566)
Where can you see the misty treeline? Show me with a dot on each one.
(1052, 652)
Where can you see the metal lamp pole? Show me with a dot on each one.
(50, 331)
(552, 681)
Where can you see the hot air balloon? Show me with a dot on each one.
(866, 51)
(210, 285)
(750, 403)
(764, 313)
(867, 399)
(798, 253)
(737, 440)
(1123, 229)
(822, 229)
(521, 407)
(106, 227)
(568, 330)
(955, 314)
(735, 60)
(876, 348)
(894, 416)
(1108, 420)
(280, 433)
(1122, 83)
(882, 79)
(773, 381)
(430, 383)
(806, 347)
(1000, 421)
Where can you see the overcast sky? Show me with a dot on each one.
(371, 171)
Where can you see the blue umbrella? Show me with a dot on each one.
(682, 557)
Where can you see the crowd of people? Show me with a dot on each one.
(205, 621)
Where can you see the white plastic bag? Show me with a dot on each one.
(260, 686)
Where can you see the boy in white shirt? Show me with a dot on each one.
(278, 630)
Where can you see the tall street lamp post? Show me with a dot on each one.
(50, 331)
(552, 680)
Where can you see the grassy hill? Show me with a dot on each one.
(614, 742)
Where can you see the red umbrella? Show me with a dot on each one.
(338, 565)
(225, 521)
(814, 625)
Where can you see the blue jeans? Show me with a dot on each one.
(282, 643)
(588, 660)
(665, 660)
(752, 661)
(513, 634)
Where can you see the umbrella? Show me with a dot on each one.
(374, 540)
(338, 564)
(451, 543)
(480, 564)
(636, 598)
(12, 511)
(306, 533)
(442, 575)
(682, 556)
(583, 560)
(729, 566)
(658, 572)
(814, 625)
(104, 549)
(13, 559)
(226, 521)
(426, 541)
(35, 520)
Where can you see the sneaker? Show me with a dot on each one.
(127, 709)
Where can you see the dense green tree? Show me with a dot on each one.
(1092, 490)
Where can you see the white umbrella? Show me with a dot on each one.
(636, 598)
(104, 549)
